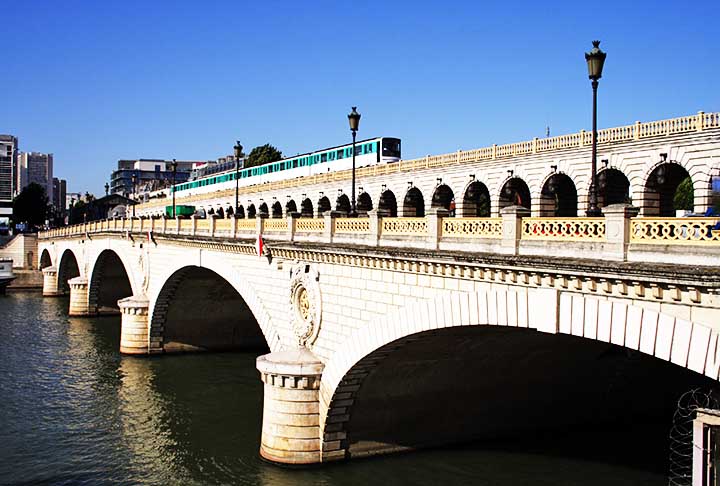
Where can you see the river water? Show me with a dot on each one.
(74, 411)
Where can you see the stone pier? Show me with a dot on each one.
(291, 420)
(50, 282)
(79, 303)
(134, 336)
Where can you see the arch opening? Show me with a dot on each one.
(668, 189)
(263, 210)
(515, 192)
(229, 212)
(251, 212)
(387, 205)
(413, 204)
(558, 197)
(323, 205)
(343, 204)
(467, 384)
(476, 201)
(364, 204)
(613, 187)
(240, 212)
(220, 213)
(45, 260)
(67, 269)
(291, 207)
(277, 210)
(198, 310)
(108, 284)
(444, 198)
(306, 208)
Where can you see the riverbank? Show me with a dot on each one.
(26, 281)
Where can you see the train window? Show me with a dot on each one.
(358, 150)
(391, 147)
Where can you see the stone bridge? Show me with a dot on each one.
(385, 334)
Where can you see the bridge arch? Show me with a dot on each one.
(413, 204)
(306, 208)
(251, 212)
(109, 282)
(263, 209)
(67, 269)
(277, 210)
(400, 364)
(476, 200)
(45, 259)
(558, 197)
(290, 207)
(387, 204)
(198, 308)
(323, 205)
(343, 204)
(514, 192)
(443, 197)
(613, 187)
(660, 187)
(364, 204)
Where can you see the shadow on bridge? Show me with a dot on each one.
(466, 384)
(198, 310)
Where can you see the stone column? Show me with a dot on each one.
(512, 228)
(50, 282)
(375, 227)
(617, 229)
(434, 225)
(79, 303)
(134, 333)
(291, 418)
(292, 219)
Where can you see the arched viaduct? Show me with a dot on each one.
(377, 348)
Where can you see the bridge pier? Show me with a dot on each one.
(79, 302)
(291, 419)
(50, 282)
(134, 338)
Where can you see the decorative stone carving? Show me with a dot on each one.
(305, 303)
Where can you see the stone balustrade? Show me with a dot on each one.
(629, 238)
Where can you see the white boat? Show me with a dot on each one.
(6, 273)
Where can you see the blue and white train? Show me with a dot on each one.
(374, 151)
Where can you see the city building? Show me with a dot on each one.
(152, 175)
(59, 196)
(34, 167)
(8, 160)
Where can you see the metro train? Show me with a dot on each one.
(373, 151)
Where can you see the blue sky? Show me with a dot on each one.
(94, 82)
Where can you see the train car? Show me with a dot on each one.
(383, 150)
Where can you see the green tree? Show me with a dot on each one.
(263, 154)
(31, 205)
(684, 195)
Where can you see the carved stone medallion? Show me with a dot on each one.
(305, 303)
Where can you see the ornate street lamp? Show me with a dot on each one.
(595, 61)
(354, 120)
(238, 153)
(173, 165)
(134, 182)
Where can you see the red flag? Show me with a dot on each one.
(259, 245)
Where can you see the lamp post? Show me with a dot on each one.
(134, 181)
(173, 165)
(238, 153)
(354, 120)
(595, 60)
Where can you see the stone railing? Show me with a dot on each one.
(472, 228)
(586, 229)
(675, 231)
(628, 133)
(618, 235)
